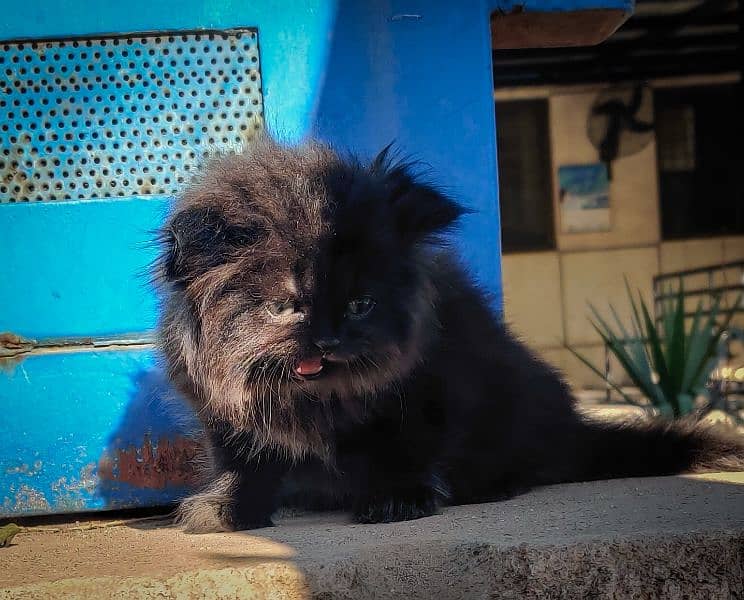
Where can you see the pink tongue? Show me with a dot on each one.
(309, 366)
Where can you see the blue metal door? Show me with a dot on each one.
(99, 131)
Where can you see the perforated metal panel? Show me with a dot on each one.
(122, 116)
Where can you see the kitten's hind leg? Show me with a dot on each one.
(400, 497)
(402, 504)
(392, 468)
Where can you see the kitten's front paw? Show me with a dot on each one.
(203, 513)
(198, 514)
(398, 505)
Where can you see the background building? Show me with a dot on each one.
(675, 192)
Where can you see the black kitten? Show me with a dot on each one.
(328, 339)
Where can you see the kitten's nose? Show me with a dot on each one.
(327, 344)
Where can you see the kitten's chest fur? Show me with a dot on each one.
(329, 428)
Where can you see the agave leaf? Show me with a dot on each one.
(636, 373)
(634, 342)
(637, 323)
(637, 348)
(612, 339)
(609, 382)
(637, 364)
(619, 323)
(657, 353)
(716, 330)
(668, 310)
(599, 319)
(675, 341)
(654, 343)
(670, 368)
(695, 346)
(637, 333)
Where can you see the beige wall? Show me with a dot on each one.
(533, 299)
(546, 293)
(634, 215)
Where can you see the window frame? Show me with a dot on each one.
(549, 242)
(690, 96)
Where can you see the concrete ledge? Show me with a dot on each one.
(672, 537)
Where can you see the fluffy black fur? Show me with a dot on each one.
(425, 400)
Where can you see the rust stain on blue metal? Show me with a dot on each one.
(12, 349)
(103, 431)
(167, 462)
(121, 476)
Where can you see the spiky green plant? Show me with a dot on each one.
(670, 367)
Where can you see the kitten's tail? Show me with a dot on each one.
(612, 450)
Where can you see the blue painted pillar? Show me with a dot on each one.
(419, 73)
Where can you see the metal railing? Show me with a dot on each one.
(722, 279)
(725, 281)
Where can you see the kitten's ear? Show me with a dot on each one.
(423, 211)
(419, 209)
(196, 240)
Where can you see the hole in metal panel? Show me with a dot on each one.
(122, 116)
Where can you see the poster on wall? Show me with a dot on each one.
(584, 198)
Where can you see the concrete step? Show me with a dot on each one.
(670, 537)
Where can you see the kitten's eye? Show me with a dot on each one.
(359, 307)
(280, 309)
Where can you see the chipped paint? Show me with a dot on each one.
(24, 469)
(92, 430)
(12, 344)
(168, 462)
(67, 493)
(14, 348)
(28, 499)
(70, 493)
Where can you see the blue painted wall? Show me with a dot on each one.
(78, 268)
(76, 430)
(359, 74)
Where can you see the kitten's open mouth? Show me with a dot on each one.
(309, 368)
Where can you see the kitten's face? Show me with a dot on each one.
(303, 276)
(338, 310)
